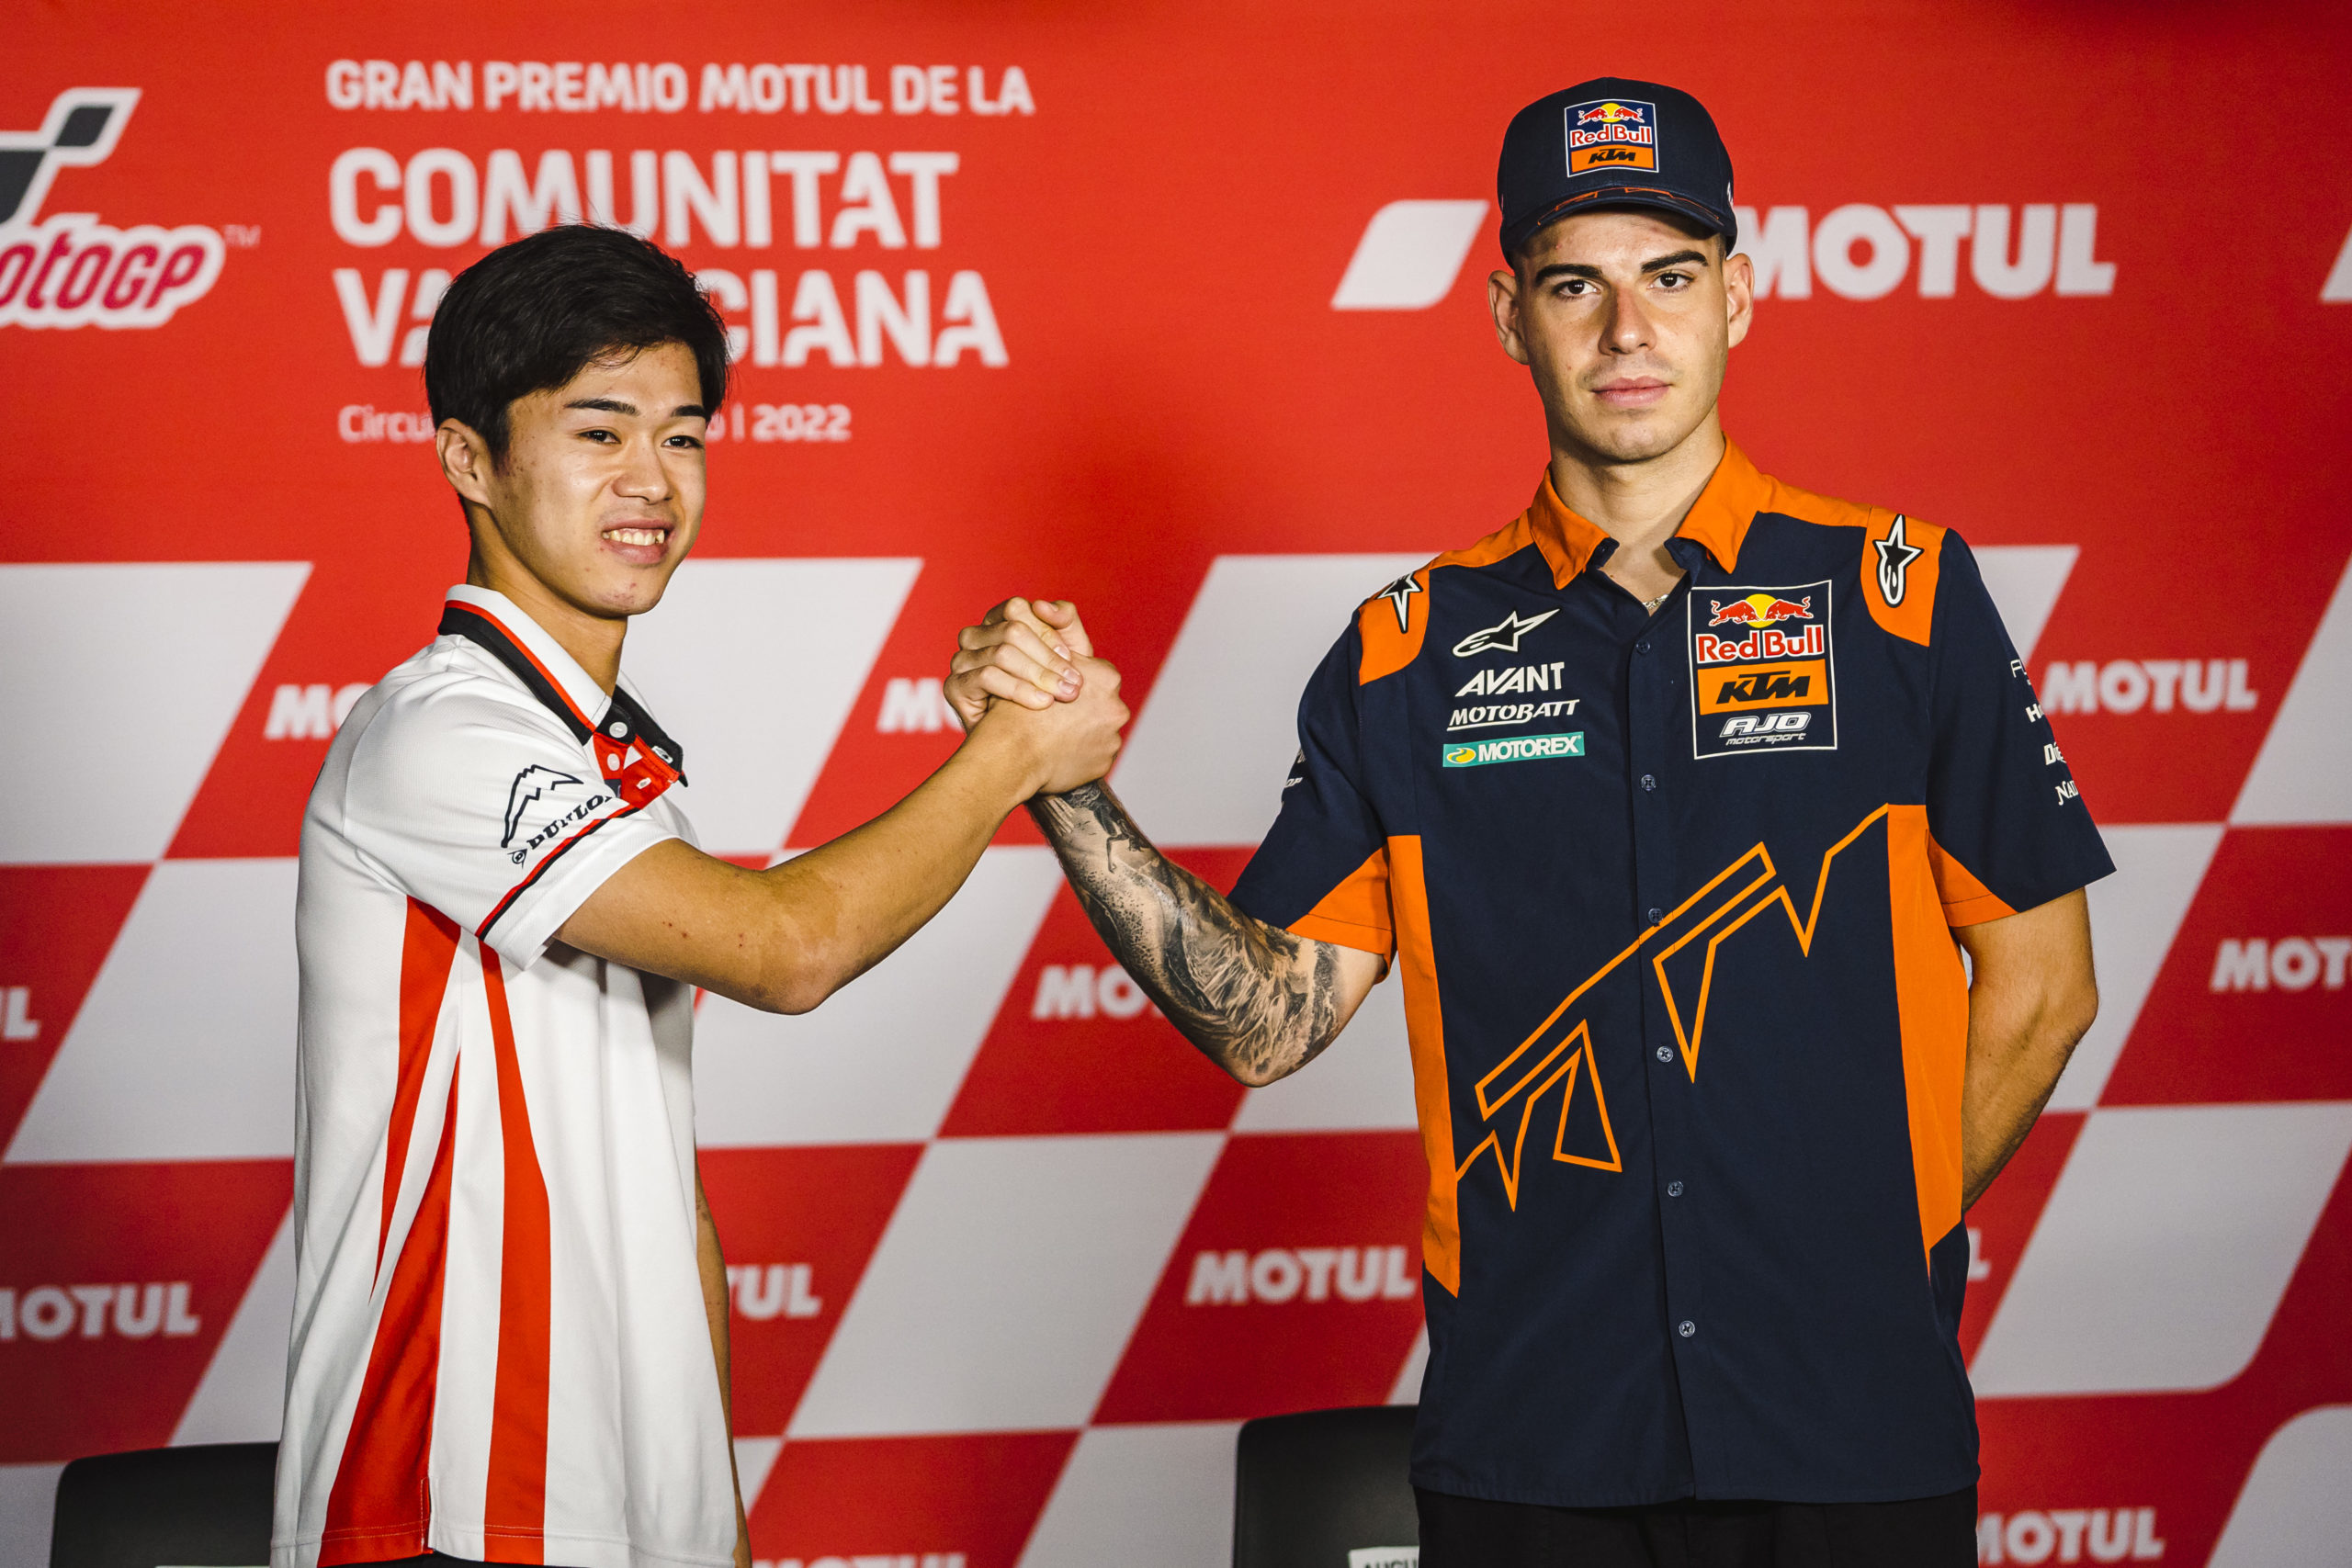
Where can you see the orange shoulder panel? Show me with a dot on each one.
(1392, 622)
(1899, 561)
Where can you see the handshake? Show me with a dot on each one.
(1029, 668)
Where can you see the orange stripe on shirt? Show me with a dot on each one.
(427, 951)
(380, 1505)
(1966, 901)
(1355, 913)
(514, 1504)
(1425, 1028)
(1931, 1006)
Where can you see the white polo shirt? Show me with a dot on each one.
(500, 1349)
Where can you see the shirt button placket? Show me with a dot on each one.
(1654, 704)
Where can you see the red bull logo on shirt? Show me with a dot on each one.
(1613, 133)
(1760, 683)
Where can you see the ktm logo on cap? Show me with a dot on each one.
(1612, 133)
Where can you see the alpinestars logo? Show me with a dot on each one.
(1400, 594)
(1896, 555)
(70, 270)
(1501, 638)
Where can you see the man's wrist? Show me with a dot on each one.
(1005, 757)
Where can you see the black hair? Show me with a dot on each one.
(532, 314)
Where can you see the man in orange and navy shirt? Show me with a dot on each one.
(1675, 802)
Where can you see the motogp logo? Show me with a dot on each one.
(70, 270)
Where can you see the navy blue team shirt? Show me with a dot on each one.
(1670, 896)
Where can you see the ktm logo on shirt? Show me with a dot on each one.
(1763, 685)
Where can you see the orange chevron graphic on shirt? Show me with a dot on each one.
(1569, 1055)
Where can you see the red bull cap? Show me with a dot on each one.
(1613, 141)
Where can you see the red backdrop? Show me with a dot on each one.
(1049, 300)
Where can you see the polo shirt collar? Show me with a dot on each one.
(561, 680)
(638, 758)
(1717, 521)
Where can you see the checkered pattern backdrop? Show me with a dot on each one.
(1010, 1262)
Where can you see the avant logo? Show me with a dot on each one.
(70, 270)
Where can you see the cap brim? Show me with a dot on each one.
(1713, 222)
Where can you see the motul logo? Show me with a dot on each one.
(775, 1290)
(2069, 1535)
(70, 270)
(2291, 964)
(131, 1312)
(1311, 1273)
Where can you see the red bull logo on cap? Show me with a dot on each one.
(1612, 133)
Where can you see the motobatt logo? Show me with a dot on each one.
(1517, 748)
(1768, 663)
(70, 270)
(1614, 133)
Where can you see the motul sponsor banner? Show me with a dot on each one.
(1179, 313)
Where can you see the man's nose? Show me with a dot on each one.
(1627, 328)
(642, 477)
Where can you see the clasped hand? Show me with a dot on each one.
(1030, 664)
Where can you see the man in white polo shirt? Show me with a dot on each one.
(510, 1312)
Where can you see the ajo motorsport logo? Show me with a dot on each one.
(69, 269)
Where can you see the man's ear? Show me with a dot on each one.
(1739, 295)
(1502, 302)
(466, 462)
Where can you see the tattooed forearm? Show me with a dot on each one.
(1257, 1000)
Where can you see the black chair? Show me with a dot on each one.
(1326, 1490)
(205, 1505)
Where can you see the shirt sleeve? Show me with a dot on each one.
(478, 804)
(1322, 870)
(2007, 829)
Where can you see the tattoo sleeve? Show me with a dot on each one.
(1258, 1001)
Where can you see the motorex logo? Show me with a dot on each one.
(1517, 749)
(70, 269)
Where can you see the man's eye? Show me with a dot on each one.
(600, 435)
(688, 442)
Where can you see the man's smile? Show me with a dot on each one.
(654, 536)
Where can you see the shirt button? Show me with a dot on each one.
(1655, 914)
(1686, 1329)
(1641, 648)
(1674, 1189)
(1648, 782)
(1666, 1052)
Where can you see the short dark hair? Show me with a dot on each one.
(532, 314)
